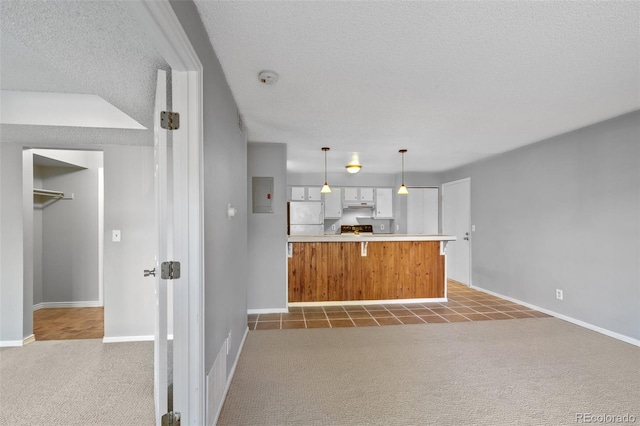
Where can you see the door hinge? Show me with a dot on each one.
(170, 270)
(172, 418)
(169, 120)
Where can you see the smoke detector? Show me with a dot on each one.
(268, 77)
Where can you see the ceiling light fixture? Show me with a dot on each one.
(403, 189)
(353, 167)
(325, 188)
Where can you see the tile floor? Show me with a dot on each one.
(465, 304)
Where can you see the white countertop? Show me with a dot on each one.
(368, 237)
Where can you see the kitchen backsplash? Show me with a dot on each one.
(380, 226)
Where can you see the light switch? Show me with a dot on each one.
(115, 235)
(473, 228)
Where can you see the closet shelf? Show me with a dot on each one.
(44, 197)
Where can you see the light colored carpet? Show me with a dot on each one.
(539, 371)
(77, 382)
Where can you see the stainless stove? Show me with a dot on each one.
(356, 229)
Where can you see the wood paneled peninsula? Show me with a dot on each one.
(344, 268)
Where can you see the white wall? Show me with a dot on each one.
(267, 258)
(563, 214)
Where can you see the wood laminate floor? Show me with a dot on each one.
(68, 323)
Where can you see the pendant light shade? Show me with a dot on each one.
(403, 189)
(325, 188)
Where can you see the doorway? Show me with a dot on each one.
(65, 191)
(456, 221)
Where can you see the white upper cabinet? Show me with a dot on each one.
(313, 193)
(384, 203)
(358, 194)
(304, 193)
(366, 194)
(298, 193)
(333, 204)
(350, 194)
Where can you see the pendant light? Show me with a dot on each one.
(325, 188)
(403, 189)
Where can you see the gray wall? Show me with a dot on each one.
(70, 234)
(11, 244)
(267, 251)
(563, 214)
(129, 206)
(128, 297)
(225, 182)
(37, 242)
(27, 252)
(340, 179)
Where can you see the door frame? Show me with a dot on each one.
(162, 25)
(467, 179)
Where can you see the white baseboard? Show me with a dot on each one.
(268, 311)
(11, 343)
(83, 304)
(231, 373)
(120, 339)
(17, 343)
(367, 302)
(618, 336)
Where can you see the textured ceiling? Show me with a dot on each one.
(89, 47)
(453, 82)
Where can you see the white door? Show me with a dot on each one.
(456, 220)
(160, 22)
(162, 190)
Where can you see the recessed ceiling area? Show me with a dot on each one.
(453, 82)
(80, 49)
(62, 109)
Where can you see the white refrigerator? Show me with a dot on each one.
(306, 218)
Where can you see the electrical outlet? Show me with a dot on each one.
(333, 227)
(397, 227)
(559, 294)
(115, 236)
(382, 226)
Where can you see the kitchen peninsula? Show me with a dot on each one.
(379, 267)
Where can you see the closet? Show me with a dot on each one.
(67, 243)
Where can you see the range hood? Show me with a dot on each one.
(358, 204)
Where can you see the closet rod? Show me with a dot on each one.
(48, 193)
